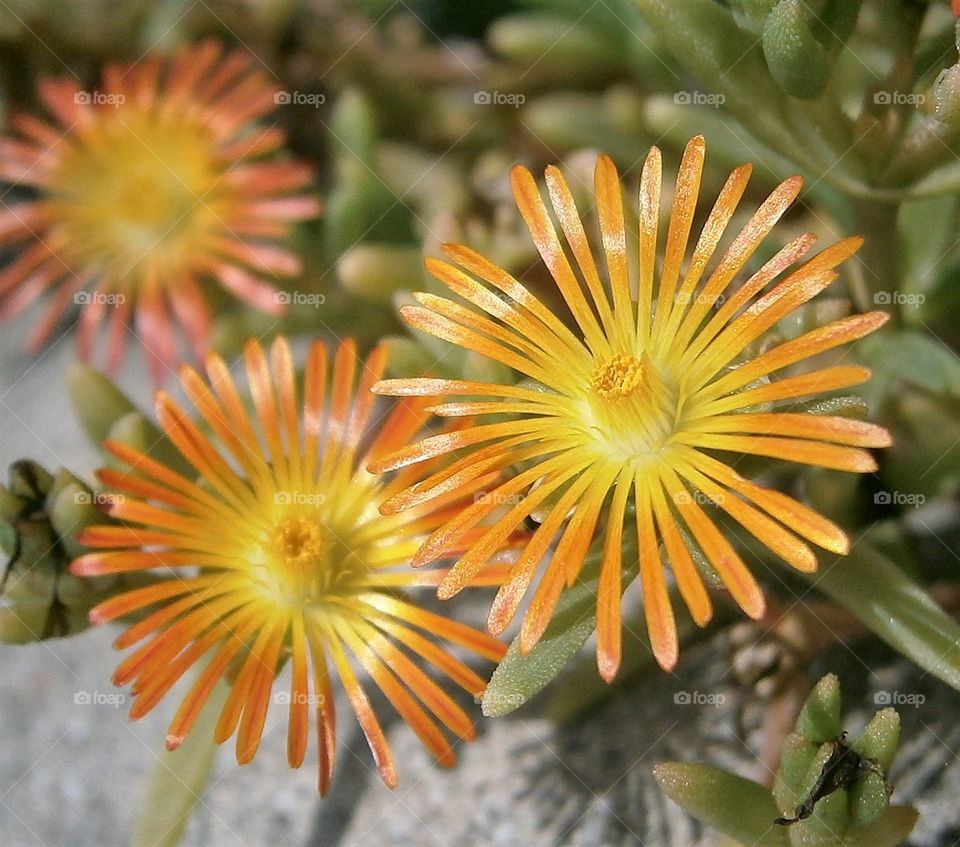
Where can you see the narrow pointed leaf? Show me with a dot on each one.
(179, 780)
(895, 608)
(518, 678)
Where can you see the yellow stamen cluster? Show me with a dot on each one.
(620, 377)
(299, 542)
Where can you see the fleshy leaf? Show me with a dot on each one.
(915, 358)
(737, 807)
(179, 779)
(895, 608)
(819, 720)
(880, 738)
(796, 757)
(797, 61)
(889, 830)
(518, 678)
(97, 402)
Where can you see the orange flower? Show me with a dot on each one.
(649, 401)
(146, 191)
(291, 558)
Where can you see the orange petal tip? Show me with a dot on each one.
(448, 588)
(839, 545)
(667, 661)
(608, 666)
(756, 607)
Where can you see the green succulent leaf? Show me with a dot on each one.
(796, 758)
(705, 38)
(737, 807)
(915, 358)
(895, 608)
(880, 738)
(820, 719)
(98, 403)
(518, 677)
(179, 780)
(889, 830)
(797, 60)
(868, 799)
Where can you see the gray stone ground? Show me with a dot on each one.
(72, 775)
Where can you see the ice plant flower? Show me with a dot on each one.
(648, 401)
(279, 552)
(145, 193)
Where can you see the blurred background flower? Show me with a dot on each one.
(147, 189)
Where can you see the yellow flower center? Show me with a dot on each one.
(137, 196)
(298, 561)
(631, 409)
(299, 542)
(618, 378)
